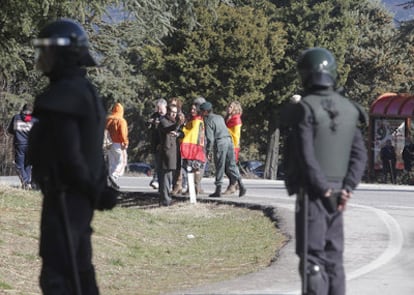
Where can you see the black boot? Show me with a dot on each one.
(217, 193)
(242, 188)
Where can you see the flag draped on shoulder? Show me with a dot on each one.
(193, 142)
(234, 124)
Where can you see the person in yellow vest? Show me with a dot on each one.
(193, 146)
(234, 123)
(118, 130)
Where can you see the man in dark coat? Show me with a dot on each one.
(65, 148)
(19, 127)
(408, 155)
(389, 160)
(168, 128)
(152, 125)
(325, 160)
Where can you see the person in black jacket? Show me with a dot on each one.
(169, 147)
(152, 125)
(65, 148)
(325, 159)
(19, 127)
(408, 155)
(389, 160)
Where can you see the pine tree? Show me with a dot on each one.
(380, 59)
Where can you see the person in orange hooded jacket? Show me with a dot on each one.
(117, 127)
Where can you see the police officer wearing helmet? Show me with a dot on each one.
(325, 160)
(65, 149)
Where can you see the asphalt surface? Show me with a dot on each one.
(379, 240)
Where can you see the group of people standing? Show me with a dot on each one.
(388, 157)
(179, 143)
(183, 144)
(116, 132)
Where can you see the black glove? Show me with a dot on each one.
(107, 199)
(331, 203)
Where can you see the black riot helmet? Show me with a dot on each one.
(62, 43)
(317, 68)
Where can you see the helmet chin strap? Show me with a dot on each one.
(320, 79)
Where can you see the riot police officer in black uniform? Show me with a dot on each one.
(65, 148)
(326, 159)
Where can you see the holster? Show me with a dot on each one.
(315, 279)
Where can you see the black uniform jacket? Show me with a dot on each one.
(303, 168)
(66, 149)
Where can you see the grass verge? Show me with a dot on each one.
(143, 251)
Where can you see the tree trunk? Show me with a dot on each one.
(272, 157)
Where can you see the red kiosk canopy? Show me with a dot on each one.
(393, 105)
(390, 118)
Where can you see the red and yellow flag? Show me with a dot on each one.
(234, 124)
(193, 142)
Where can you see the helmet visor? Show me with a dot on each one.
(41, 44)
(44, 59)
(61, 41)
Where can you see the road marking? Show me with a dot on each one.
(395, 243)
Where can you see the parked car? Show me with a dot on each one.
(139, 167)
(259, 171)
(250, 167)
(258, 167)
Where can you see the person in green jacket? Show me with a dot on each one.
(219, 142)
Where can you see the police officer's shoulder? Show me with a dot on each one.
(66, 96)
(292, 113)
(363, 116)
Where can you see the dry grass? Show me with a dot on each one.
(143, 251)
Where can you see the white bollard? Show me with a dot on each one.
(191, 186)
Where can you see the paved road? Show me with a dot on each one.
(379, 229)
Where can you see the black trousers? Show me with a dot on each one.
(325, 247)
(56, 274)
(165, 183)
